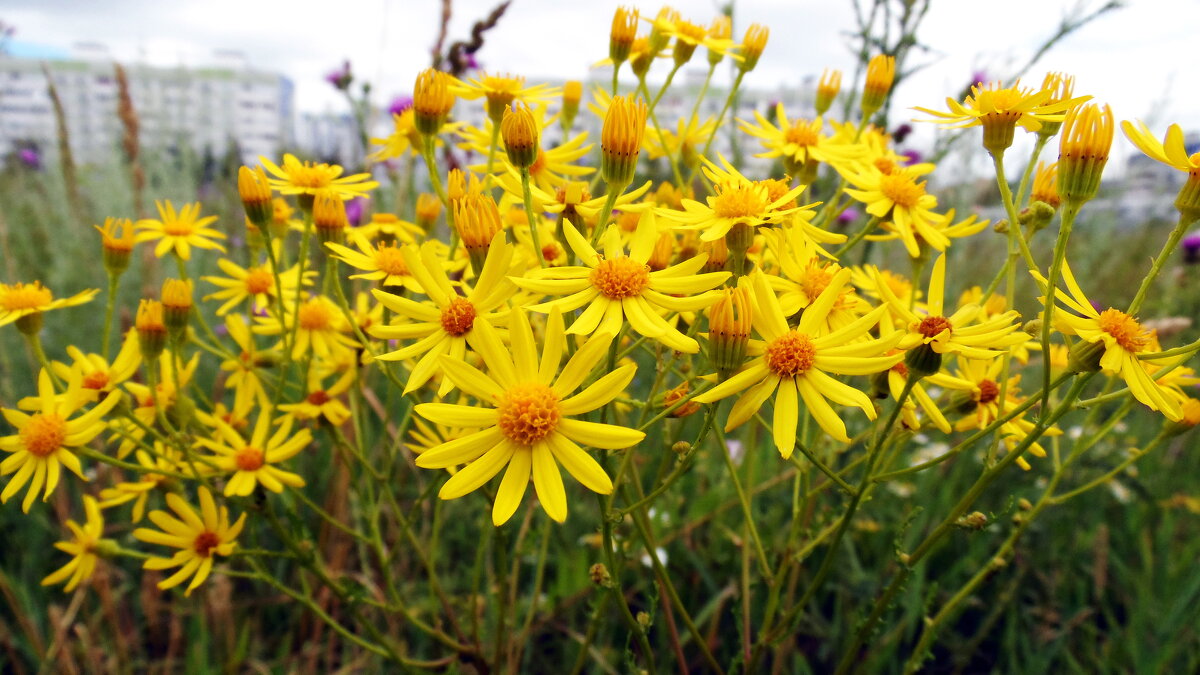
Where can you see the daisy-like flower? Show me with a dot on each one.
(501, 90)
(18, 301)
(801, 143)
(999, 110)
(619, 286)
(322, 328)
(901, 197)
(805, 275)
(424, 436)
(446, 325)
(99, 376)
(942, 225)
(405, 139)
(959, 333)
(1114, 341)
(685, 141)
(165, 392)
(308, 179)
(321, 401)
(551, 168)
(256, 461)
(45, 440)
(166, 458)
(256, 284)
(531, 427)
(571, 199)
(198, 536)
(737, 200)
(82, 548)
(794, 364)
(387, 227)
(179, 231)
(382, 262)
(1173, 152)
(978, 384)
(244, 377)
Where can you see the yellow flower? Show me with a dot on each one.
(45, 440)
(530, 426)
(256, 283)
(166, 458)
(21, 300)
(551, 167)
(942, 228)
(957, 333)
(322, 402)
(999, 110)
(1117, 337)
(322, 329)
(619, 286)
(179, 231)
(99, 376)
(256, 461)
(794, 364)
(165, 392)
(308, 179)
(501, 91)
(198, 536)
(387, 228)
(243, 369)
(382, 262)
(805, 276)
(737, 200)
(571, 199)
(900, 197)
(447, 324)
(621, 140)
(405, 139)
(685, 141)
(881, 72)
(82, 548)
(800, 141)
(1172, 152)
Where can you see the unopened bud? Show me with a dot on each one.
(598, 573)
(151, 330)
(255, 191)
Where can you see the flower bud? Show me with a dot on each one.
(922, 361)
(688, 36)
(1062, 88)
(520, 133)
(881, 72)
(721, 30)
(676, 394)
(599, 575)
(255, 191)
(329, 218)
(753, 45)
(429, 207)
(1191, 417)
(432, 101)
(571, 95)
(624, 31)
(116, 240)
(729, 324)
(621, 141)
(151, 330)
(478, 222)
(1083, 151)
(177, 306)
(827, 90)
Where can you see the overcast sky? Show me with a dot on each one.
(1141, 58)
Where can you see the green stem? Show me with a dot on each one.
(1070, 209)
(113, 280)
(533, 221)
(747, 512)
(712, 68)
(858, 236)
(1160, 261)
(662, 137)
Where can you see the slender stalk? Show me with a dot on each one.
(1070, 209)
(712, 68)
(858, 236)
(662, 137)
(533, 221)
(113, 280)
(1160, 261)
(760, 553)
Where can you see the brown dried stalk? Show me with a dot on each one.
(65, 157)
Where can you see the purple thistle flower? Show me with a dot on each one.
(355, 208)
(1191, 248)
(30, 158)
(979, 77)
(912, 157)
(400, 104)
(340, 78)
(848, 216)
(471, 63)
(902, 132)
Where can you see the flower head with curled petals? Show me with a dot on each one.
(794, 364)
(200, 537)
(445, 324)
(619, 286)
(256, 461)
(179, 231)
(1122, 337)
(527, 417)
(82, 548)
(308, 179)
(21, 300)
(46, 440)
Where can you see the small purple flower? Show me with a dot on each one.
(979, 77)
(471, 63)
(1191, 248)
(848, 216)
(340, 78)
(30, 158)
(912, 157)
(400, 104)
(902, 132)
(1097, 306)
(355, 208)
(221, 330)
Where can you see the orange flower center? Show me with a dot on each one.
(629, 220)
(205, 542)
(815, 281)
(258, 281)
(24, 296)
(791, 354)
(458, 317)
(901, 189)
(178, 227)
(550, 252)
(885, 165)
(621, 277)
(96, 379)
(310, 175)
(43, 434)
(1125, 330)
(740, 201)
(932, 326)
(390, 262)
(249, 459)
(528, 413)
(318, 397)
(801, 134)
(315, 316)
(988, 391)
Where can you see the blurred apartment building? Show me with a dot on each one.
(210, 110)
